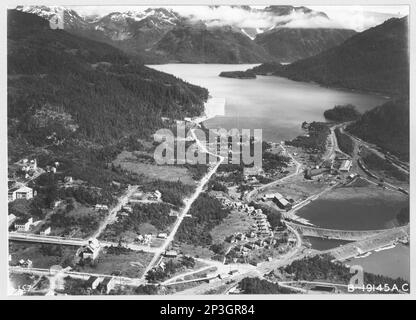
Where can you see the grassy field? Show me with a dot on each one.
(130, 162)
(298, 188)
(235, 222)
(195, 251)
(130, 264)
(42, 255)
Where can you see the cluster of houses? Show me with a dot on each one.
(139, 196)
(25, 263)
(250, 173)
(25, 224)
(144, 239)
(28, 166)
(102, 284)
(262, 225)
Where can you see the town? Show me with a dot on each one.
(263, 230)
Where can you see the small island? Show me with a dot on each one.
(238, 74)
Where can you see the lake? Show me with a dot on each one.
(276, 105)
(279, 106)
(355, 209)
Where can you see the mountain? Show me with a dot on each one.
(62, 87)
(149, 34)
(291, 44)
(386, 126)
(373, 60)
(208, 45)
(287, 10)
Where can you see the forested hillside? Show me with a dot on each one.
(373, 60)
(64, 85)
(386, 126)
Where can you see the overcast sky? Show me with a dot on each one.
(353, 17)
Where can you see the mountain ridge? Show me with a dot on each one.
(142, 34)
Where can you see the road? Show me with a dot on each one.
(188, 203)
(122, 201)
(38, 172)
(77, 275)
(30, 237)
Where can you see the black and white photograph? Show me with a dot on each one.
(211, 150)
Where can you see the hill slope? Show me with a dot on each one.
(198, 44)
(291, 44)
(387, 126)
(373, 60)
(101, 91)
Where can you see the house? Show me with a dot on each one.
(11, 219)
(250, 209)
(253, 171)
(162, 235)
(240, 236)
(68, 179)
(24, 224)
(345, 166)
(128, 209)
(155, 196)
(352, 176)
(258, 212)
(25, 263)
(93, 282)
(107, 285)
(251, 234)
(99, 207)
(45, 231)
(90, 250)
(171, 254)
(20, 193)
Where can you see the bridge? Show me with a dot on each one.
(77, 242)
(348, 235)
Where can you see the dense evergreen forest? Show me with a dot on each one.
(386, 126)
(373, 60)
(206, 212)
(104, 92)
(342, 113)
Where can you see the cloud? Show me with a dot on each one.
(361, 18)
(358, 18)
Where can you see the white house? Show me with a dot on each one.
(20, 193)
(11, 219)
(46, 231)
(90, 250)
(98, 207)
